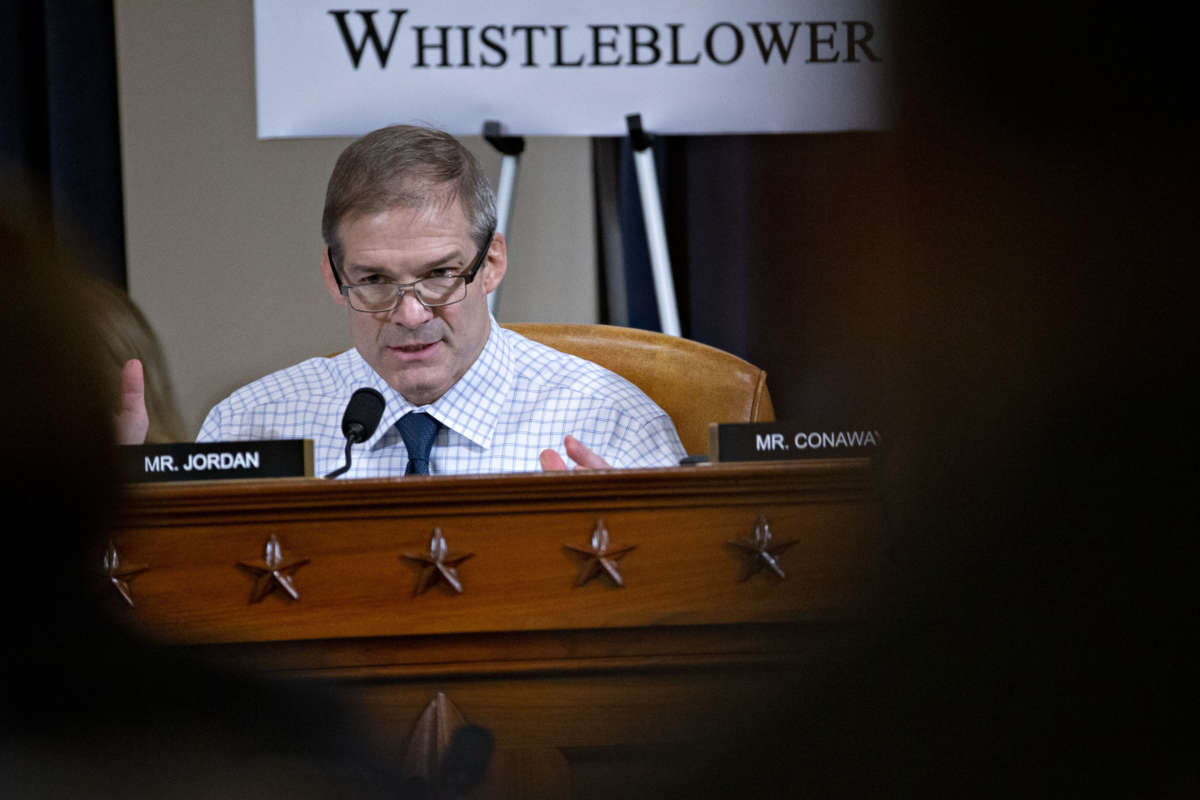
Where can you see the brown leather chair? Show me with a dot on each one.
(694, 383)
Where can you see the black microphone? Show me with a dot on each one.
(362, 416)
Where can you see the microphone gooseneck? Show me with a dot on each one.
(362, 416)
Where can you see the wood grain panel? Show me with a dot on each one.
(573, 681)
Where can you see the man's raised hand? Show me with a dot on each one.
(583, 457)
(132, 420)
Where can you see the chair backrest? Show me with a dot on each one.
(694, 383)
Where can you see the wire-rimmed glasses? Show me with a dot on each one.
(433, 292)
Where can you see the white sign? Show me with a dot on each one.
(545, 67)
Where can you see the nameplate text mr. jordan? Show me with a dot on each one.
(287, 458)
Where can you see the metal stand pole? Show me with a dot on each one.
(656, 230)
(510, 148)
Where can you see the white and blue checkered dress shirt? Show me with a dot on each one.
(518, 398)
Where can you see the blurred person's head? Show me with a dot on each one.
(88, 709)
(59, 476)
(1026, 295)
(125, 333)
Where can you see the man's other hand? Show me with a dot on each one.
(132, 421)
(583, 457)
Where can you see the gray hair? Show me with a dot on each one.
(406, 166)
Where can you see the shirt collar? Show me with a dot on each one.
(357, 373)
(471, 407)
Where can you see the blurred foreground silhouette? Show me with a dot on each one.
(88, 710)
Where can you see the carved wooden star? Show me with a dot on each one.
(439, 564)
(429, 742)
(271, 571)
(118, 574)
(761, 551)
(600, 558)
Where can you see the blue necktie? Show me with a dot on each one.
(418, 431)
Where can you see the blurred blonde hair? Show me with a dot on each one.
(125, 333)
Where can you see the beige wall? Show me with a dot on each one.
(223, 230)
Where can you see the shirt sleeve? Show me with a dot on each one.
(211, 430)
(652, 444)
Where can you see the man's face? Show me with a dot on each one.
(420, 352)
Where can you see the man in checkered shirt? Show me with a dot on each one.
(412, 253)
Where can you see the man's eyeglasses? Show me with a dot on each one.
(434, 292)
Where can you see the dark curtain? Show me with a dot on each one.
(627, 284)
(774, 233)
(58, 118)
(765, 237)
